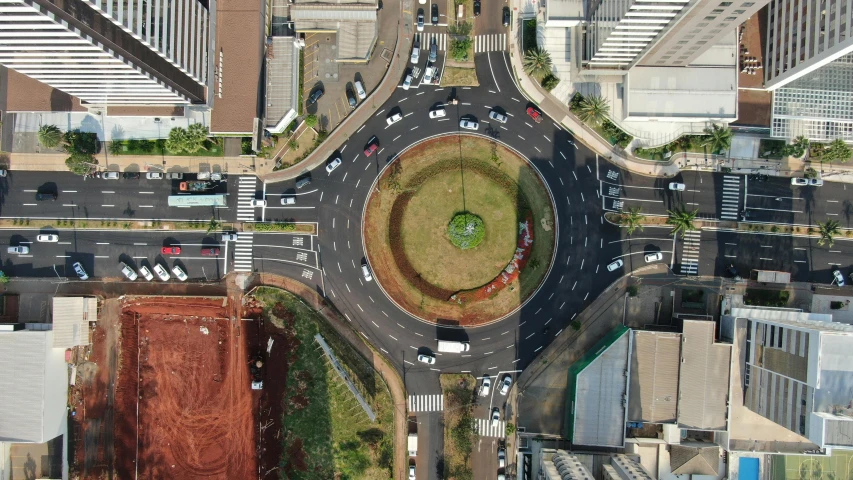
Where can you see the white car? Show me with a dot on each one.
(496, 416)
(154, 176)
(110, 176)
(505, 384)
(420, 21)
(439, 112)
(815, 182)
(487, 386)
(428, 74)
(359, 90)
(678, 187)
(81, 273)
(501, 457)
(416, 54)
(179, 272)
(146, 274)
(128, 272)
(412, 472)
(407, 82)
(365, 271)
(394, 119)
(654, 257)
(428, 359)
(333, 165)
(497, 116)
(47, 237)
(800, 181)
(468, 124)
(229, 237)
(161, 272)
(839, 277)
(615, 265)
(258, 202)
(288, 200)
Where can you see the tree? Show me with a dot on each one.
(537, 62)
(311, 121)
(681, 220)
(683, 143)
(189, 140)
(213, 225)
(459, 48)
(49, 136)
(717, 137)
(593, 110)
(82, 142)
(797, 148)
(80, 163)
(827, 231)
(4, 279)
(462, 29)
(632, 219)
(550, 81)
(836, 150)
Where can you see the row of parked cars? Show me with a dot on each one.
(160, 270)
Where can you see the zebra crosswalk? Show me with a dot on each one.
(690, 252)
(245, 194)
(731, 197)
(427, 39)
(243, 252)
(485, 428)
(426, 403)
(493, 42)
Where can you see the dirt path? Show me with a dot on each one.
(379, 363)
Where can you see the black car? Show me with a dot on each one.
(351, 99)
(435, 14)
(477, 8)
(130, 175)
(733, 272)
(44, 197)
(506, 16)
(315, 96)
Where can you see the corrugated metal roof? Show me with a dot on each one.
(704, 378)
(655, 360)
(356, 26)
(71, 317)
(23, 369)
(282, 81)
(600, 398)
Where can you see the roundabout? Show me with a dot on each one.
(459, 230)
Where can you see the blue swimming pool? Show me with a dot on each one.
(748, 469)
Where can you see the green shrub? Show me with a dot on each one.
(766, 298)
(466, 230)
(550, 81)
(275, 227)
(576, 325)
(633, 290)
(836, 305)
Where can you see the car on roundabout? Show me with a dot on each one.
(469, 124)
(654, 257)
(428, 359)
(615, 265)
(333, 165)
(497, 116)
(535, 114)
(438, 112)
(365, 272)
(392, 119)
(371, 147)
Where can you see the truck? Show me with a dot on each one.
(413, 444)
(453, 347)
(195, 186)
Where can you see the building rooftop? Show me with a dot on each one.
(282, 93)
(694, 460)
(563, 13)
(704, 378)
(354, 22)
(71, 317)
(564, 465)
(655, 358)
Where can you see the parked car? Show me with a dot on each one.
(19, 250)
(179, 272)
(127, 271)
(407, 82)
(130, 175)
(416, 53)
(80, 271)
(654, 257)
(420, 19)
(47, 237)
(258, 203)
(428, 73)
(497, 116)
(154, 176)
(172, 250)
(496, 416)
(303, 182)
(428, 359)
(678, 187)
(535, 114)
(839, 277)
(161, 272)
(288, 200)
(433, 51)
(315, 95)
(146, 274)
(468, 124)
(815, 182)
(486, 386)
(391, 120)
(505, 384)
(175, 176)
(615, 265)
(733, 272)
(359, 89)
(434, 16)
(799, 181)
(501, 457)
(351, 99)
(438, 113)
(476, 8)
(412, 467)
(110, 176)
(365, 272)
(371, 147)
(43, 197)
(333, 165)
(210, 252)
(229, 237)
(506, 16)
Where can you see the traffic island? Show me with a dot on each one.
(459, 230)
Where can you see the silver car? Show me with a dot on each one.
(469, 124)
(128, 272)
(497, 116)
(162, 272)
(179, 272)
(365, 271)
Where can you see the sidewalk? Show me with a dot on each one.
(52, 162)
(779, 167)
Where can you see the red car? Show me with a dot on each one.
(536, 115)
(170, 250)
(371, 148)
(209, 252)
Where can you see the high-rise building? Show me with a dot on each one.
(803, 36)
(622, 33)
(120, 52)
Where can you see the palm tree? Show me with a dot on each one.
(537, 62)
(718, 138)
(214, 225)
(681, 220)
(49, 136)
(683, 143)
(828, 230)
(594, 110)
(632, 219)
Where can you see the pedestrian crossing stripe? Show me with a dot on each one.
(245, 193)
(493, 42)
(730, 202)
(427, 38)
(243, 252)
(426, 403)
(690, 252)
(485, 428)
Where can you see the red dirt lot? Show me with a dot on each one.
(183, 407)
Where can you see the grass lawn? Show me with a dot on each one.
(459, 434)
(425, 230)
(459, 77)
(837, 466)
(306, 142)
(158, 148)
(381, 254)
(324, 428)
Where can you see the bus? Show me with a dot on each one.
(217, 200)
